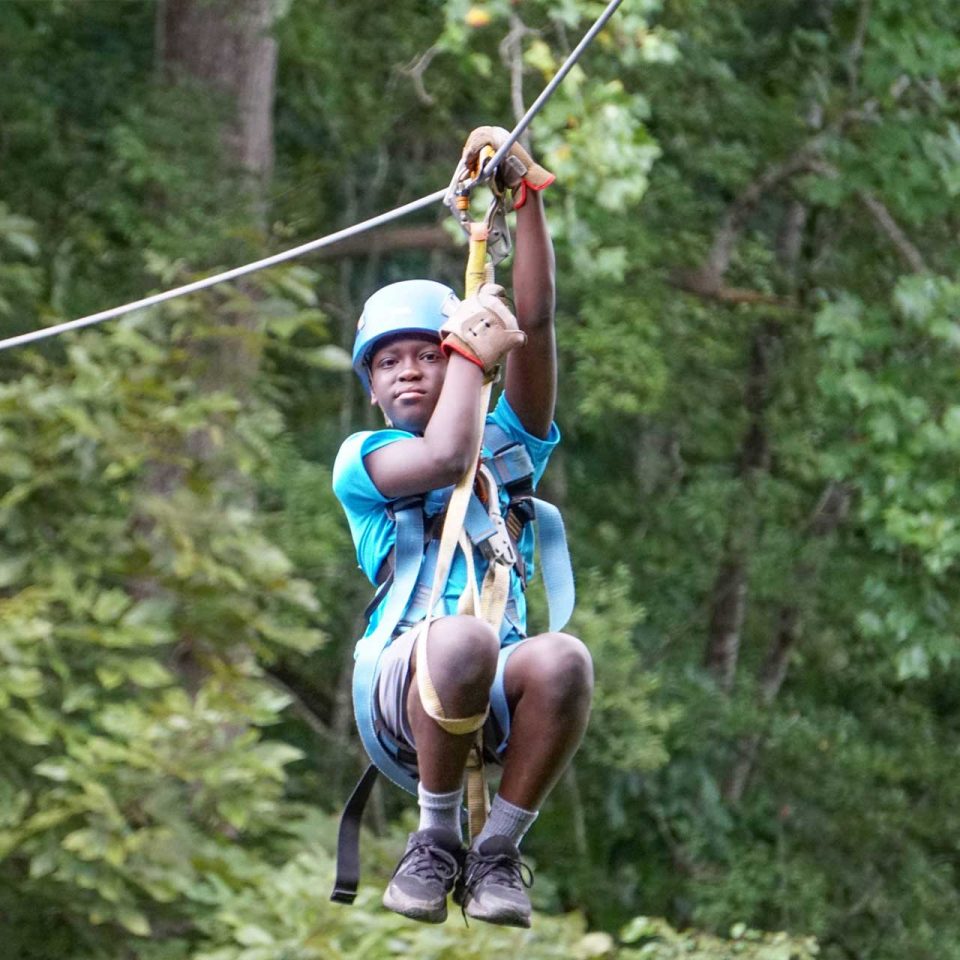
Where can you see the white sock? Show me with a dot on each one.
(440, 809)
(506, 820)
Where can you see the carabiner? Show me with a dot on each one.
(457, 198)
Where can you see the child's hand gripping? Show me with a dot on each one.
(518, 170)
(482, 329)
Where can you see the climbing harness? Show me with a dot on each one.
(403, 599)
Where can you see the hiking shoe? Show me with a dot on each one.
(491, 887)
(425, 875)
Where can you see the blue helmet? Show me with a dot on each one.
(410, 306)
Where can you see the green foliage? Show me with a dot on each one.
(591, 133)
(122, 591)
(19, 276)
(657, 939)
(891, 373)
(627, 724)
(178, 602)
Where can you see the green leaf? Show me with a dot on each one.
(109, 605)
(53, 770)
(148, 673)
(250, 935)
(134, 921)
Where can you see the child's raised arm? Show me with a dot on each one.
(531, 375)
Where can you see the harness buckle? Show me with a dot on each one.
(522, 506)
(498, 548)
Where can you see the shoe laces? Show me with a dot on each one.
(426, 860)
(504, 869)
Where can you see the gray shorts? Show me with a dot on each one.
(393, 686)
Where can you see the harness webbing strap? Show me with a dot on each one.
(497, 587)
(555, 566)
(348, 839)
(452, 527)
(496, 583)
(489, 604)
(477, 795)
(408, 516)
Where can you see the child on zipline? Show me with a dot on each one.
(424, 356)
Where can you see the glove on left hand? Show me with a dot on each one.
(482, 329)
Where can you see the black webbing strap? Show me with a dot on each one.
(348, 839)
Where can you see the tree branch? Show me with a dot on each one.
(695, 282)
(511, 53)
(738, 213)
(884, 220)
(707, 280)
(855, 53)
(415, 70)
(790, 239)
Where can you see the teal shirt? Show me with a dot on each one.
(373, 531)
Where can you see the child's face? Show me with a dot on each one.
(406, 376)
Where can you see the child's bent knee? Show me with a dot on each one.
(462, 654)
(567, 674)
(465, 636)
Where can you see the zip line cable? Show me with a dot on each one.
(332, 238)
(548, 90)
(222, 277)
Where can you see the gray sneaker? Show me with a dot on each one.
(425, 875)
(492, 885)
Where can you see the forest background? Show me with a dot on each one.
(756, 219)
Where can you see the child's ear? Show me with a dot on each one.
(373, 399)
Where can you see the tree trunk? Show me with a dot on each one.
(729, 594)
(221, 46)
(727, 605)
(226, 45)
(830, 512)
(728, 601)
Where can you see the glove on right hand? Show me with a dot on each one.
(482, 329)
(518, 171)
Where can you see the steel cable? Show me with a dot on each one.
(196, 285)
(332, 238)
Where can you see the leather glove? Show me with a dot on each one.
(482, 329)
(518, 170)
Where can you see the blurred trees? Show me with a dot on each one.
(759, 468)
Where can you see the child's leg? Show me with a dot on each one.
(462, 654)
(547, 684)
